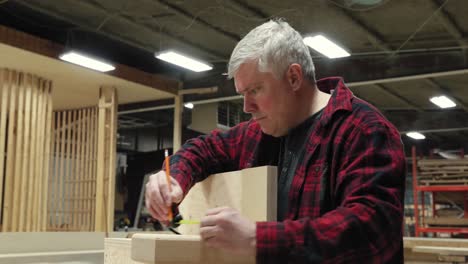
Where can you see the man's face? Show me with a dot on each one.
(269, 100)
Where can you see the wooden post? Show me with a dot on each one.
(100, 208)
(178, 107)
(112, 151)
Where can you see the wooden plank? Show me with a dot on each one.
(86, 169)
(40, 156)
(56, 159)
(73, 167)
(60, 176)
(27, 189)
(94, 129)
(48, 154)
(441, 162)
(80, 174)
(18, 186)
(66, 176)
(457, 251)
(11, 146)
(446, 221)
(164, 248)
(251, 191)
(5, 89)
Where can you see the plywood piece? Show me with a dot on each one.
(251, 191)
(170, 248)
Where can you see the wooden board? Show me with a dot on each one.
(251, 191)
(446, 221)
(164, 248)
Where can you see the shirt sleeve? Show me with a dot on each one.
(205, 155)
(366, 225)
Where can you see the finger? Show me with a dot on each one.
(209, 232)
(157, 202)
(176, 194)
(152, 202)
(164, 189)
(210, 220)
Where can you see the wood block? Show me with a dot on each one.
(251, 191)
(168, 248)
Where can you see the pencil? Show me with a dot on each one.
(168, 178)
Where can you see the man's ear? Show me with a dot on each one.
(294, 76)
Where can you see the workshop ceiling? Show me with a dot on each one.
(402, 51)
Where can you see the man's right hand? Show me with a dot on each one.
(158, 199)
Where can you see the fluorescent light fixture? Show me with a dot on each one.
(326, 47)
(189, 105)
(86, 61)
(183, 61)
(442, 101)
(415, 135)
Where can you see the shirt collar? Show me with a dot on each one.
(341, 97)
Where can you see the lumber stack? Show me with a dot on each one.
(443, 172)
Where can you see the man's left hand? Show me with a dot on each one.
(227, 229)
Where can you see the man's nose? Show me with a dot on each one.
(249, 105)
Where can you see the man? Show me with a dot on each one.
(341, 164)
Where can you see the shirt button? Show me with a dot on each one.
(317, 169)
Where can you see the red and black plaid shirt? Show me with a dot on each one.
(346, 197)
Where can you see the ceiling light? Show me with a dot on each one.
(183, 61)
(326, 47)
(86, 61)
(189, 105)
(415, 135)
(442, 101)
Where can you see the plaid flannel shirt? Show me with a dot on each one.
(346, 198)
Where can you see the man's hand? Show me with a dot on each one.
(227, 229)
(158, 199)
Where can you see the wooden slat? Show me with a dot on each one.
(5, 89)
(89, 167)
(11, 146)
(29, 148)
(60, 176)
(79, 157)
(9, 176)
(95, 162)
(56, 159)
(73, 165)
(82, 165)
(48, 154)
(18, 188)
(40, 155)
